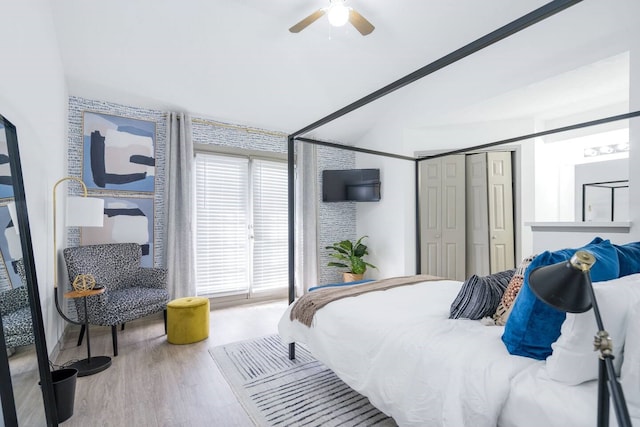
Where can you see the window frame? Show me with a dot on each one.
(230, 297)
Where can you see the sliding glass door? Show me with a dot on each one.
(241, 225)
(269, 231)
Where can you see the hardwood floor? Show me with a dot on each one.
(154, 383)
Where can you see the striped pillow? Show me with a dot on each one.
(479, 296)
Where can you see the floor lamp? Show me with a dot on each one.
(80, 212)
(567, 287)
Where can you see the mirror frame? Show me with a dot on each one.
(46, 382)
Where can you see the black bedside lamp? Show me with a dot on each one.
(567, 287)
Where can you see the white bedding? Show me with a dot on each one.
(398, 348)
(535, 400)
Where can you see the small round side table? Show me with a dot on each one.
(90, 365)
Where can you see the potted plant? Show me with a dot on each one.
(349, 255)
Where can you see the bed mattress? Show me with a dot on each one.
(398, 348)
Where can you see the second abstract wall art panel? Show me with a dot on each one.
(126, 220)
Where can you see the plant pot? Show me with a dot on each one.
(350, 277)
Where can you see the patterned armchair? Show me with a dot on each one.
(131, 291)
(16, 317)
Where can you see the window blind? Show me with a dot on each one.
(241, 224)
(222, 223)
(270, 238)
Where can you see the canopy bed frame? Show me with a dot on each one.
(489, 39)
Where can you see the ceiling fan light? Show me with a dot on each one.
(338, 13)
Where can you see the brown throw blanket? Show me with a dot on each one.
(305, 308)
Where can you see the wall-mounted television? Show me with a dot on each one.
(356, 185)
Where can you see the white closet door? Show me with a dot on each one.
(453, 217)
(500, 211)
(442, 217)
(477, 215)
(430, 217)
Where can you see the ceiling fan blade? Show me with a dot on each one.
(360, 22)
(307, 21)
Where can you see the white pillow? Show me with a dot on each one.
(630, 375)
(573, 360)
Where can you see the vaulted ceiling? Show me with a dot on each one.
(236, 61)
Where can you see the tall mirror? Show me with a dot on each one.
(25, 381)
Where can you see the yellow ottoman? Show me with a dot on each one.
(187, 320)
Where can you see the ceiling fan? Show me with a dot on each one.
(338, 15)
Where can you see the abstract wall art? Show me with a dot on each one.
(10, 248)
(119, 153)
(126, 220)
(6, 186)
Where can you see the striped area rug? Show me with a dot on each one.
(276, 391)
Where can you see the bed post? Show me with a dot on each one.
(291, 203)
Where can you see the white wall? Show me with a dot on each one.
(33, 97)
(389, 223)
(634, 140)
(525, 198)
(464, 135)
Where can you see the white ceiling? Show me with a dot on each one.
(235, 61)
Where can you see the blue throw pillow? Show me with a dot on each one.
(533, 325)
(629, 258)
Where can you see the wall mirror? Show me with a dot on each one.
(26, 388)
(583, 175)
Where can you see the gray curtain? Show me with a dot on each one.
(306, 218)
(179, 207)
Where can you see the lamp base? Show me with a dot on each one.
(89, 367)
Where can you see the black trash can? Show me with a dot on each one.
(64, 391)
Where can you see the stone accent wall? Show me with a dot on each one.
(236, 136)
(336, 220)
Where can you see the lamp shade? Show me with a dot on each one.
(84, 212)
(564, 285)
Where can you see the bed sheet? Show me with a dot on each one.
(398, 348)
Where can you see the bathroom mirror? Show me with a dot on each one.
(26, 388)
